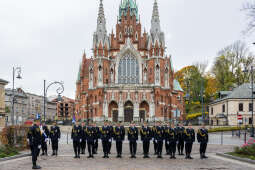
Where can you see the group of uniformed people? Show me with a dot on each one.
(174, 137)
(88, 135)
(37, 138)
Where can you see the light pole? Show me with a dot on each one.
(18, 69)
(202, 99)
(59, 91)
(252, 109)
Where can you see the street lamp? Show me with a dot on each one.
(59, 91)
(202, 99)
(14, 70)
(251, 71)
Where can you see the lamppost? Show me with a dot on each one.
(59, 91)
(202, 99)
(14, 70)
(252, 109)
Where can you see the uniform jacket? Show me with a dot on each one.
(83, 133)
(76, 133)
(202, 135)
(189, 135)
(90, 134)
(55, 133)
(171, 135)
(146, 133)
(132, 134)
(34, 135)
(159, 133)
(119, 133)
(105, 133)
(180, 133)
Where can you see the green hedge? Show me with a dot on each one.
(7, 151)
(225, 129)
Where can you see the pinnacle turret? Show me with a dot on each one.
(155, 21)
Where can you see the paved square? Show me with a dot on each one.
(65, 161)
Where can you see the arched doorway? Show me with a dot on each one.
(128, 111)
(113, 111)
(143, 111)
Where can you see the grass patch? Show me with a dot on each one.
(7, 151)
(241, 156)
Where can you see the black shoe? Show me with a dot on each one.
(42, 154)
(174, 157)
(89, 156)
(144, 156)
(92, 156)
(205, 156)
(36, 167)
(78, 156)
(159, 156)
(186, 157)
(182, 154)
(190, 157)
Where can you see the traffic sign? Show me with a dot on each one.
(239, 117)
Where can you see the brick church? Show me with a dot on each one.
(129, 77)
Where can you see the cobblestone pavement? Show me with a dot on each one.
(65, 161)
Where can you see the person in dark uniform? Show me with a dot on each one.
(55, 136)
(146, 135)
(159, 138)
(111, 131)
(105, 135)
(83, 141)
(202, 138)
(97, 136)
(45, 135)
(90, 136)
(171, 138)
(76, 136)
(119, 137)
(189, 138)
(180, 136)
(155, 144)
(34, 137)
(132, 137)
(167, 145)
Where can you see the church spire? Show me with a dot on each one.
(155, 21)
(101, 21)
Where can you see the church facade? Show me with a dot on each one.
(129, 77)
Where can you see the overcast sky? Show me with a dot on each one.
(47, 37)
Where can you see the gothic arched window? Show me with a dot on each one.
(128, 70)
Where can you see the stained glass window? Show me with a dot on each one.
(128, 70)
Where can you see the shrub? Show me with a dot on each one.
(194, 115)
(14, 136)
(7, 151)
(248, 149)
(228, 128)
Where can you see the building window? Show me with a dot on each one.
(128, 70)
(241, 107)
(250, 121)
(250, 107)
(223, 108)
(212, 111)
(120, 36)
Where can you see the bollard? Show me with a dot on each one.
(239, 133)
(232, 133)
(221, 137)
(67, 138)
(245, 138)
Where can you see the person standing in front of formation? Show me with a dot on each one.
(189, 139)
(34, 138)
(159, 138)
(180, 136)
(119, 137)
(172, 138)
(105, 135)
(132, 137)
(167, 145)
(76, 136)
(202, 138)
(83, 141)
(97, 136)
(55, 136)
(45, 135)
(90, 136)
(146, 135)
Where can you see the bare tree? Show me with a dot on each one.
(249, 8)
